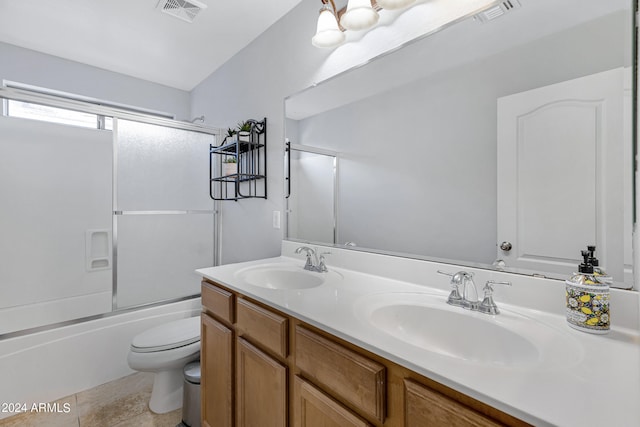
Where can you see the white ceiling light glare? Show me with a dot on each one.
(360, 15)
(186, 10)
(394, 4)
(328, 34)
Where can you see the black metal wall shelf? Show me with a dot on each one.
(249, 155)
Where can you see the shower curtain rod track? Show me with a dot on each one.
(168, 212)
(88, 107)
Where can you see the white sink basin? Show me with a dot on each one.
(425, 321)
(285, 277)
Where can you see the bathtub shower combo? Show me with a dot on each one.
(102, 229)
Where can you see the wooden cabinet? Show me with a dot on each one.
(347, 374)
(242, 383)
(219, 302)
(216, 362)
(313, 408)
(263, 326)
(261, 388)
(425, 407)
(261, 367)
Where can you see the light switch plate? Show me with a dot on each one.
(276, 220)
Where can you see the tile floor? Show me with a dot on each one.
(120, 403)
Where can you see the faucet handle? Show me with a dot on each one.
(456, 280)
(488, 287)
(322, 266)
(488, 305)
(444, 273)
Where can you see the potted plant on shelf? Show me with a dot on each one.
(229, 166)
(231, 135)
(244, 131)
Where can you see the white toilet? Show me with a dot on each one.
(165, 350)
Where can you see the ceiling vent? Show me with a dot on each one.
(187, 10)
(497, 11)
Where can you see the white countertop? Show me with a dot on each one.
(576, 379)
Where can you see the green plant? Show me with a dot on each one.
(230, 160)
(231, 132)
(244, 126)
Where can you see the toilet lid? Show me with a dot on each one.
(168, 336)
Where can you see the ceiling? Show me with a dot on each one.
(132, 37)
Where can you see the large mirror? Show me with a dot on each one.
(502, 143)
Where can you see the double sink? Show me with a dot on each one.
(422, 320)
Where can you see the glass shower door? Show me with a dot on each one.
(55, 223)
(163, 216)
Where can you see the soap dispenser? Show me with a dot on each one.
(587, 300)
(597, 271)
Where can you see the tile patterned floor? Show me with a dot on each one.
(120, 403)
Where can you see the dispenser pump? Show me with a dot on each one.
(586, 267)
(592, 258)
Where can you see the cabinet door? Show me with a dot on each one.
(313, 408)
(349, 375)
(216, 387)
(425, 407)
(261, 388)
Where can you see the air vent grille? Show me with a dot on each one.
(497, 11)
(186, 10)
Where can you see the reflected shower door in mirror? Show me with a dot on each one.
(311, 196)
(422, 169)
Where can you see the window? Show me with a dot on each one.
(28, 110)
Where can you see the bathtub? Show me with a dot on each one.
(44, 366)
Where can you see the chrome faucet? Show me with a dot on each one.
(469, 293)
(313, 264)
(469, 297)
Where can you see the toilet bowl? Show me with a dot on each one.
(165, 350)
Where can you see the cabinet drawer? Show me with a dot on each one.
(314, 408)
(218, 301)
(262, 326)
(349, 375)
(424, 406)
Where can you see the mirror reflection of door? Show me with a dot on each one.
(311, 204)
(561, 175)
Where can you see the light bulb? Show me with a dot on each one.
(328, 34)
(359, 15)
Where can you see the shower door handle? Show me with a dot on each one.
(287, 151)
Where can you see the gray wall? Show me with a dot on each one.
(253, 84)
(51, 72)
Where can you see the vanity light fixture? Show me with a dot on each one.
(356, 16)
(360, 15)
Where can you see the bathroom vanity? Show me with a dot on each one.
(370, 345)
